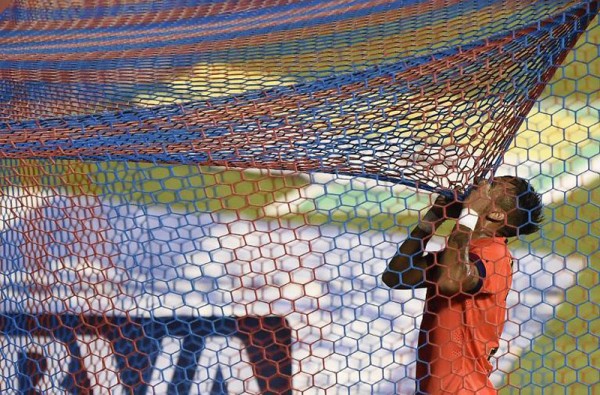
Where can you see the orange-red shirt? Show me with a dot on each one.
(459, 334)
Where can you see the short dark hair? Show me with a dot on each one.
(525, 213)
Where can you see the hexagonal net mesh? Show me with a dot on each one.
(201, 197)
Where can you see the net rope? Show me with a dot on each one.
(436, 117)
(201, 196)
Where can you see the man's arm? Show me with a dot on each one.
(410, 267)
(456, 273)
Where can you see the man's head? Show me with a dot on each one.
(515, 208)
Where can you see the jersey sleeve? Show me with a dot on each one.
(494, 272)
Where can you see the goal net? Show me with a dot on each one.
(200, 197)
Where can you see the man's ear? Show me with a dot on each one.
(496, 216)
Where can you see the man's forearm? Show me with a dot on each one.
(411, 267)
(407, 269)
(456, 272)
(416, 242)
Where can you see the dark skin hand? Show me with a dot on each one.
(410, 267)
(450, 269)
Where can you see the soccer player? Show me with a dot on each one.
(467, 282)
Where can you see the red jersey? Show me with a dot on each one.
(459, 334)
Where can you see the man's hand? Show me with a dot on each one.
(442, 209)
(447, 207)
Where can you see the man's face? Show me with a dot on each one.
(503, 200)
(502, 189)
(490, 200)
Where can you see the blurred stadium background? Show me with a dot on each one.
(203, 241)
